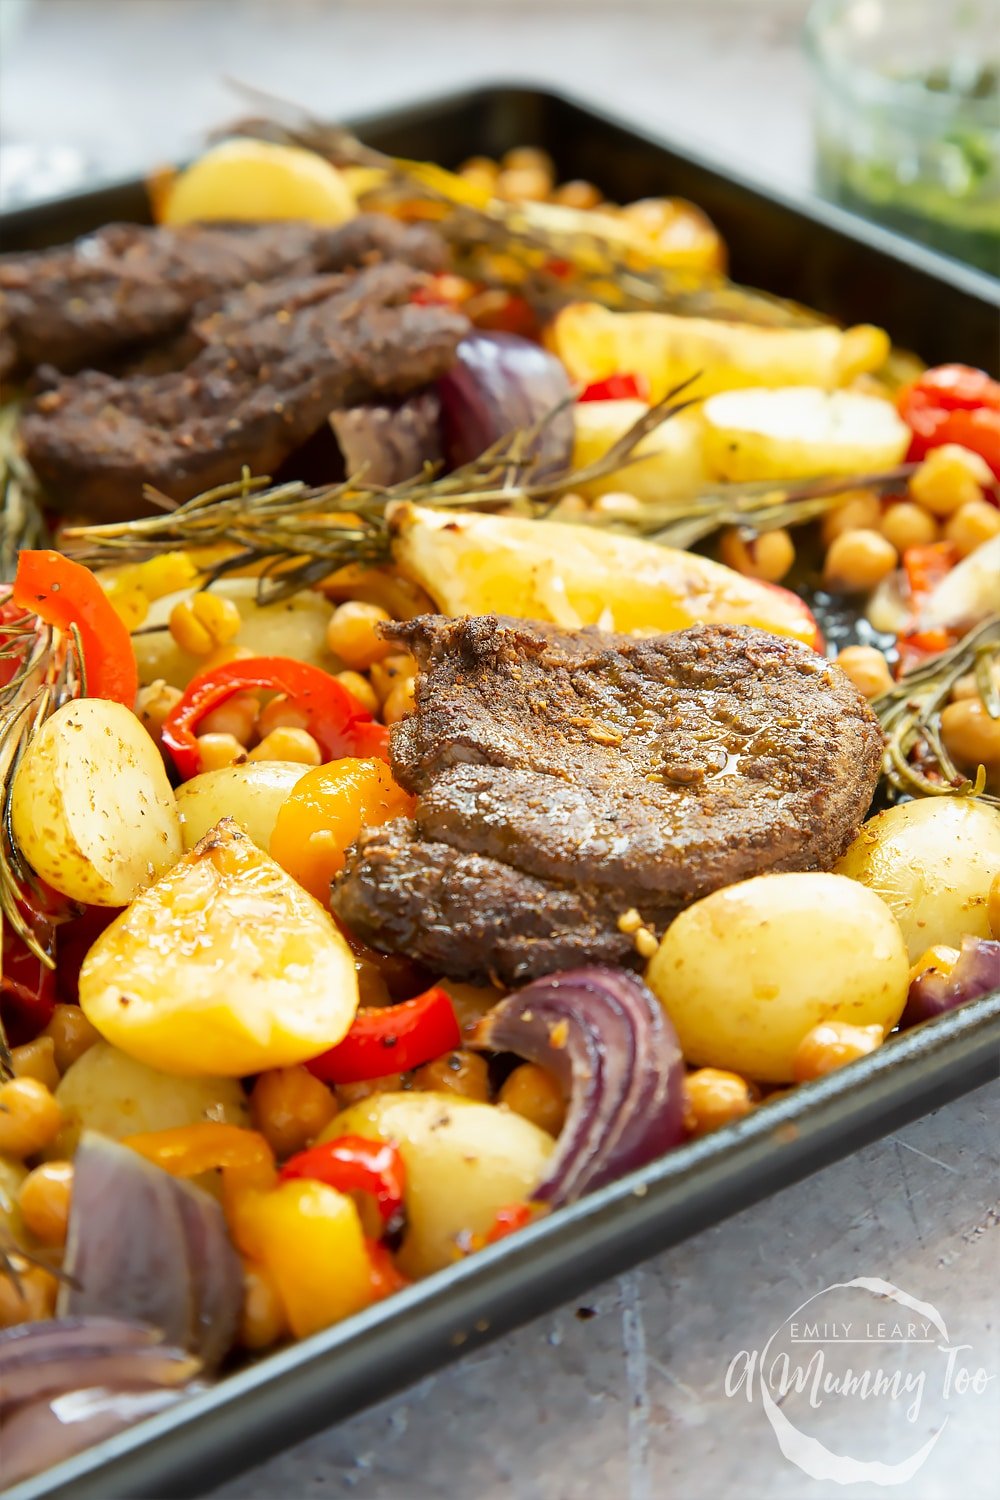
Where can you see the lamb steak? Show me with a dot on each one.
(567, 778)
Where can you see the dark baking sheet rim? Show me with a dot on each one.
(293, 1393)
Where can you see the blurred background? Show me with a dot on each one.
(892, 106)
(111, 85)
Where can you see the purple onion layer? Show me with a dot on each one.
(604, 1036)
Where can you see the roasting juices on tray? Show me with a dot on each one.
(428, 793)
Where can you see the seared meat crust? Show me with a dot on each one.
(564, 778)
(275, 361)
(129, 284)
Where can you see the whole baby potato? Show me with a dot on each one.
(464, 1162)
(932, 862)
(744, 973)
(108, 1091)
(251, 793)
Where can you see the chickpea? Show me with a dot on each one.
(44, 1200)
(30, 1117)
(577, 194)
(154, 704)
(29, 1298)
(570, 505)
(832, 1044)
(970, 736)
(523, 185)
(713, 1098)
(938, 959)
(264, 1321)
(480, 171)
(975, 522)
(768, 556)
(215, 751)
(288, 744)
(236, 717)
(388, 674)
(360, 688)
(462, 1073)
(530, 159)
(858, 510)
(400, 702)
(948, 478)
(908, 525)
(867, 668)
(281, 713)
(470, 1001)
(352, 634)
(353, 1093)
(36, 1060)
(617, 503)
(72, 1034)
(993, 905)
(290, 1107)
(968, 686)
(531, 1091)
(203, 622)
(857, 561)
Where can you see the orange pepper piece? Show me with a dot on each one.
(324, 813)
(243, 1156)
(309, 1239)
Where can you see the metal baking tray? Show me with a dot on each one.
(852, 270)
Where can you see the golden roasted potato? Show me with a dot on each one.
(249, 179)
(746, 972)
(931, 861)
(464, 1161)
(91, 805)
(251, 793)
(671, 463)
(800, 432)
(594, 343)
(294, 627)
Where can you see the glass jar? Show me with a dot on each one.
(907, 117)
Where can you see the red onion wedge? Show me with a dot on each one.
(390, 443)
(976, 973)
(500, 382)
(42, 1433)
(605, 1037)
(68, 1382)
(143, 1245)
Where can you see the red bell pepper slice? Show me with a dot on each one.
(27, 991)
(354, 1164)
(925, 566)
(953, 404)
(618, 388)
(510, 1219)
(338, 723)
(386, 1275)
(391, 1039)
(63, 593)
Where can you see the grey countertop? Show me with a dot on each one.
(624, 1396)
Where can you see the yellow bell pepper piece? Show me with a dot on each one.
(309, 1239)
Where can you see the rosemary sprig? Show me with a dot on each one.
(552, 254)
(302, 534)
(910, 715)
(21, 521)
(298, 535)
